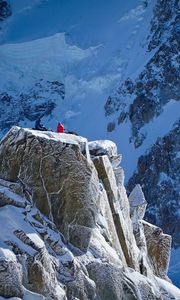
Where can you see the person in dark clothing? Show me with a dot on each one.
(72, 132)
(39, 126)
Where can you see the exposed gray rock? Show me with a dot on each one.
(137, 210)
(17, 188)
(42, 277)
(111, 283)
(138, 205)
(147, 289)
(105, 147)
(158, 248)
(94, 265)
(102, 147)
(64, 185)
(82, 287)
(108, 229)
(126, 239)
(10, 277)
(76, 232)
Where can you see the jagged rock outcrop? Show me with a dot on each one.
(158, 83)
(158, 173)
(158, 248)
(63, 223)
(155, 246)
(5, 9)
(105, 147)
(138, 205)
(64, 185)
(106, 174)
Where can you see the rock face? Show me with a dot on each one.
(10, 276)
(158, 245)
(64, 185)
(106, 174)
(158, 83)
(110, 282)
(68, 232)
(158, 173)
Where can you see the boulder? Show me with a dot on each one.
(105, 147)
(76, 232)
(42, 277)
(102, 147)
(81, 287)
(138, 205)
(110, 282)
(10, 275)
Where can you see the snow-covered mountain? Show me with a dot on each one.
(106, 69)
(68, 231)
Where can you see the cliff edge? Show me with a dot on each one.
(68, 229)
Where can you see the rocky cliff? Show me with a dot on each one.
(145, 102)
(53, 70)
(68, 230)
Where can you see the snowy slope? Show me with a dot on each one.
(88, 61)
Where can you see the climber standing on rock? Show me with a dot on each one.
(39, 126)
(60, 128)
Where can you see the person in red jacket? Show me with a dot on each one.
(60, 128)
